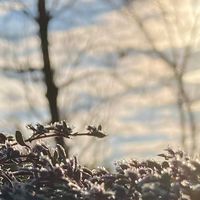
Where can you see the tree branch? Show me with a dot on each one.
(55, 13)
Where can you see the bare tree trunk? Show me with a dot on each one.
(182, 117)
(186, 114)
(185, 101)
(52, 90)
(187, 104)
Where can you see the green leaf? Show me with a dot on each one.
(3, 138)
(19, 139)
(61, 153)
(99, 127)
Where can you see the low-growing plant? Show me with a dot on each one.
(37, 172)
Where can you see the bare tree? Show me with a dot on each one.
(46, 12)
(42, 19)
(176, 61)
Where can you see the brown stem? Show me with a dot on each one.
(60, 135)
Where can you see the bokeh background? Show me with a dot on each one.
(130, 65)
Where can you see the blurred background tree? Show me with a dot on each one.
(42, 18)
(181, 36)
